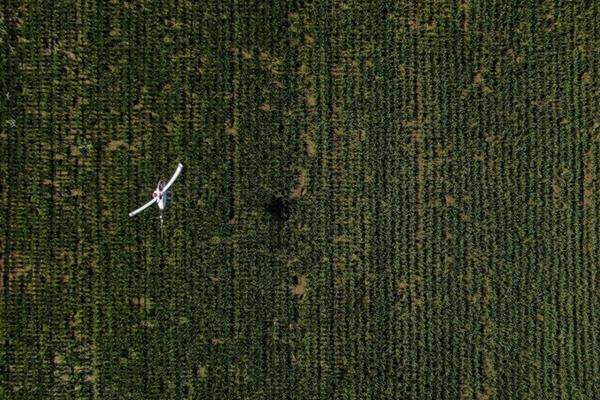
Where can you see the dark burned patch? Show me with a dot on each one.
(279, 208)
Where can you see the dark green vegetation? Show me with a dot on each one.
(381, 200)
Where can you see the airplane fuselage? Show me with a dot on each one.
(163, 197)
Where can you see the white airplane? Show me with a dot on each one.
(161, 196)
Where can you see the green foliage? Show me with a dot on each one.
(381, 199)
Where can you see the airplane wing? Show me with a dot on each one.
(142, 208)
(175, 175)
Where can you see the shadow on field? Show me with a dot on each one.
(279, 208)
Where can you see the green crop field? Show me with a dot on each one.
(381, 199)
